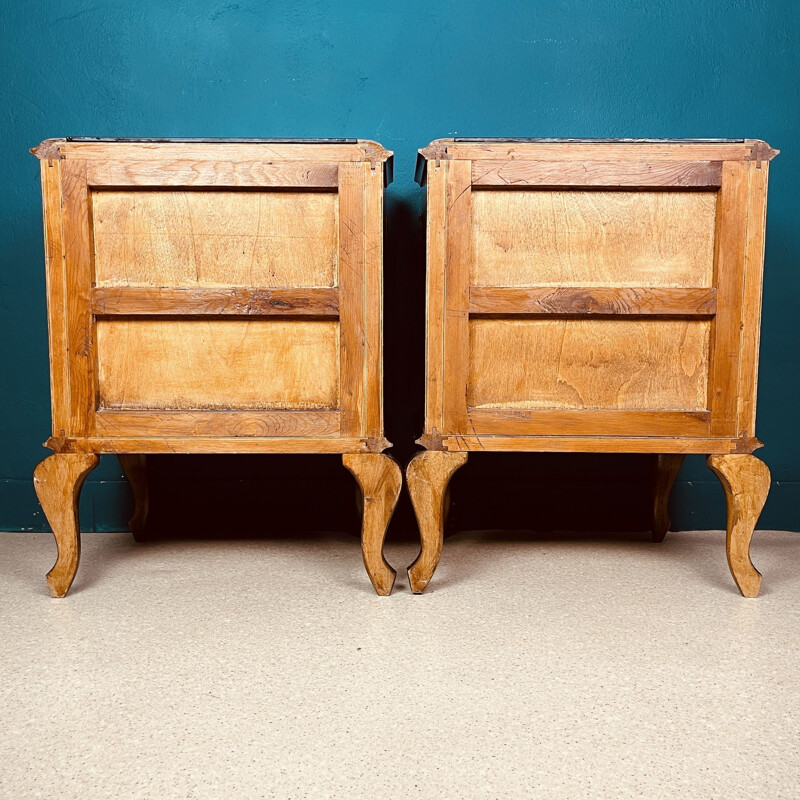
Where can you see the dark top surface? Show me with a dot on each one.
(201, 140)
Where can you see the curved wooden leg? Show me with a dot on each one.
(134, 465)
(428, 475)
(666, 470)
(380, 480)
(58, 481)
(745, 480)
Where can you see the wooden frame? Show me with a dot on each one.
(120, 215)
(716, 303)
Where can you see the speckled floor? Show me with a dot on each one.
(552, 666)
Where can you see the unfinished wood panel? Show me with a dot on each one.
(751, 297)
(456, 294)
(598, 444)
(56, 296)
(217, 364)
(219, 444)
(78, 279)
(352, 300)
(217, 423)
(592, 238)
(727, 327)
(621, 150)
(434, 291)
(602, 363)
(211, 150)
(575, 422)
(307, 174)
(373, 304)
(697, 174)
(240, 302)
(543, 300)
(215, 238)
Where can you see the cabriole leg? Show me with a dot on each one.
(58, 481)
(428, 475)
(745, 480)
(666, 470)
(134, 465)
(380, 479)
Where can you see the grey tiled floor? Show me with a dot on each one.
(552, 666)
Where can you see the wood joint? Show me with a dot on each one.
(377, 444)
(59, 444)
(48, 150)
(761, 151)
(431, 441)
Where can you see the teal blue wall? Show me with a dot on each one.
(402, 73)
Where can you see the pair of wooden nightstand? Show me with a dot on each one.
(225, 296)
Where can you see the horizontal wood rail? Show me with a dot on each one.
(601, 300)
(253, 174)
(598, 174)
(589, 421)
(266, 423)
(233, 301)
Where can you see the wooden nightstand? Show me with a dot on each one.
(594, 296)
(213, 296)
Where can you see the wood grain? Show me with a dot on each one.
(77, 272)
(585, 422)
(697, 174)
(56, 296)
(373, 303)
(456, 294)
(179, 364)
(218, 444)
(215, 238)
(654, 364)
(380, 480)
(234, 301)
(746, 481)
(352, 256)
(58, 481)
(592, 238)
(598, 444)
(305, 174)
(217, 423)
(434, 297)
(729, 260)
(544, 300)
(428, 475)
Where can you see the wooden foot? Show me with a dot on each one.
(666, 470)
(134, 465)
(58, 481)
(380, 479)
(428, 475)
(746, 481)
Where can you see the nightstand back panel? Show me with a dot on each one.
(175, 237)
(642, 364)
(525, 236)
(201, 364)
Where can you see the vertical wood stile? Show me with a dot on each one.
(729, 258)
(352, 301)
(751, 299)
(456, 294)
(373, 298)
(78, 281)
(56, 296)
(434, 332)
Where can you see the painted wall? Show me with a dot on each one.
(401, 73)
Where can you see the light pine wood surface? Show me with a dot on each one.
(58, 481)
(428, 475)
(380, 480)
(746, 482)
(595, 296)
(215, 297)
